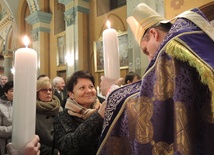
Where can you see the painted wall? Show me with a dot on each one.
(175, 7)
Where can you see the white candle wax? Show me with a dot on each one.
(24, 99)
(98, 90)
(111, 54)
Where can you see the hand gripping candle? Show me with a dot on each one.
(111, 53)
(24, 99)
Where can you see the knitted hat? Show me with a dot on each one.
(143, 18)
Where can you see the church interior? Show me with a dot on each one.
(67, 34)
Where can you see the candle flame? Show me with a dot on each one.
(12, 70)
(108, 24)
(26, 41)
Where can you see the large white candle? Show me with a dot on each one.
(111, 53)
(24, 99)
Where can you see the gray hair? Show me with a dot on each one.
(57, 80)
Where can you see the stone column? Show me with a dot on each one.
(40, 34)
(76, 20)
(71, 41)
(8, 63)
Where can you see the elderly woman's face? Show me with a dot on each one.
(45, 94)
(84, 92)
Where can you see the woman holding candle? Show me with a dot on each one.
(77, 129)
(47, 107)
(6, 116)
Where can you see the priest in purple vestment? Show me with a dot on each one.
(171, 110)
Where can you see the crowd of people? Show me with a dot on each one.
(167, 110)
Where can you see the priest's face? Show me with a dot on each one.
(150, 42)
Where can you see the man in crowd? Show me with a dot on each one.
(59, 90)
(3, 80)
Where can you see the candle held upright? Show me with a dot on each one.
(24, 100)
(111, 53)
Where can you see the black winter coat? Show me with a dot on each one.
(75, 136)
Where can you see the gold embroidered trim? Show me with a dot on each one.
(114, 122)
(206, 72)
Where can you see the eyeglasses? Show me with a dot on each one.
(45, 90)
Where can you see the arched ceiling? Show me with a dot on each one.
(11, 6)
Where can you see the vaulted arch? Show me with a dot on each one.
(23, 28)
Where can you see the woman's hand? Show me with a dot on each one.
(102, 109)
(31, 148)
